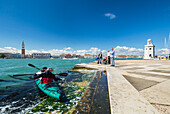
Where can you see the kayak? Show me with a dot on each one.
(50, 89)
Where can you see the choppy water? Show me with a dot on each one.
(19, 94)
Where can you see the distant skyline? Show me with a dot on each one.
(83, 25)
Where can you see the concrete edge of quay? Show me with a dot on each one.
(123, 97)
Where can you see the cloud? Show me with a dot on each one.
(104, 51)
(10, 50)
(110, 15)
(120, 50)
(162, 51)
(128, 51)
(66, 50)
(94, 50)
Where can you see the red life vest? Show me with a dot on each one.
(46, 80)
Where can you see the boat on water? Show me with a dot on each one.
(51, 89)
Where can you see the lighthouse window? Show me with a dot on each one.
(146, 48)
(149, 48)
(150, 55)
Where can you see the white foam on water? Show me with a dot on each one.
(3, 109)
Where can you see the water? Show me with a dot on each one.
(18, 94)
(20, 66)
(74, 89)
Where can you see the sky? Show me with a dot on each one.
(79, 26)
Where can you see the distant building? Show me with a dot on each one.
(23, 49)
(121, 56)
(68, 56)
(5, 54)
(28, 56)
(88, 56)
(41, 55)
(128, 56)
(62, 55)
(149, 52)
(15, 56)
(56, 56)
(74, 56)
(78, 56)
(94, 56)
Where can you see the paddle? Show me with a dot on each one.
(22, 74)
(21, 78)
(31, 65)
(61, 74)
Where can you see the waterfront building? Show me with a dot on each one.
(41, 55)
(23, 49)
(149, 51)
(94, 56)
(68, 56)
(62, 55)
(74, 56)
(15, 56)
(78, 56)
(28, 56)
(88, 56)
(6, 55)
(129, 56)
(55, 56)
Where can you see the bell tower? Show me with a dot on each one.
(23, 49)
(149, 52)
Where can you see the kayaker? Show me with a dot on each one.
(47, 77)
(41, 71)
(35, 75)
(44, 69)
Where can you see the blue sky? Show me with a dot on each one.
(82, 24)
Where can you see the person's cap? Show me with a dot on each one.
(44, 67)
(49, 69)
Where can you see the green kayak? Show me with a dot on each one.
(50, 89)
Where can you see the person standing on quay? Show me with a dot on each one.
(99, 58)
(112, 52)
(108, 57)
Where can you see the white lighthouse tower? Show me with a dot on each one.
(149, 52)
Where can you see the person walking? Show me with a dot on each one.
(108, 57)
(100, 58)
(112, 52)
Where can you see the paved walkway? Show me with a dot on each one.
(151, 78)
(124, 98)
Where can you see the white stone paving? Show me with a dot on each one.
(124, 98)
